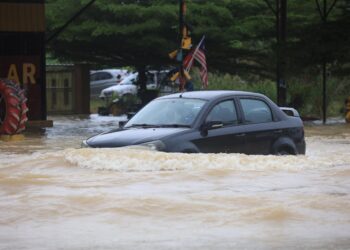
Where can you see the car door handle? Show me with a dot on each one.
(240, 135)
(279, 131)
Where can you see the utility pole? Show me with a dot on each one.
(281, 34)
(280, 12)
(324, 13)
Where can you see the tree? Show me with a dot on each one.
(240, 34)
(140, 33)
(113, 33)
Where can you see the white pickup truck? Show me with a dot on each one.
(126, 86)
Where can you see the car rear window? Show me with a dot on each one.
(256, 111)
(100, 76)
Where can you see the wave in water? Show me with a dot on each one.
(321, 153)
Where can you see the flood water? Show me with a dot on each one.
(55, 195)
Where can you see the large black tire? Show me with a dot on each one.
(13, 108)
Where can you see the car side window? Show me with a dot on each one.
(105, 76)
(93, 77)
(256, 111)
(98, 76)
(224, 112)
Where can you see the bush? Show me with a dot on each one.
(310, 96)
(234, 82)
(303, 93)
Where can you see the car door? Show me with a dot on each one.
(227, 138)
(94, 79)
(100, 81)
(106, 80)
(259, 125)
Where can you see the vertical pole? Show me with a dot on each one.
(324, 91)
(181, 27)
(43, 78)
(281, 24)
(324, 69)
(278, 51)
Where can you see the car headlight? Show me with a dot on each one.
(84, 144)
(154, 145)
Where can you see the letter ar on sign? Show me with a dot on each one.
(27, 70)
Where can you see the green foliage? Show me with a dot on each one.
(112, 33)
(306, 95)
(240, 34)
(240, 41)
(95, 103)
(234, 82)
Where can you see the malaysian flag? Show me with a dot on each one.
(199, 55)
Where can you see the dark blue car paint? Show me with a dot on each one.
(283, 134)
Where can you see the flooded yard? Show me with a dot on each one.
(56, 195)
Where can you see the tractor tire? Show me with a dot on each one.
(13, 108)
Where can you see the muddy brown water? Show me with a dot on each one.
(55, 195)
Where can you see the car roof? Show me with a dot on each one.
(112, 71)
(210, 94)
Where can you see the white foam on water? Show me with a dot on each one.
(131, 159)
(321, 153)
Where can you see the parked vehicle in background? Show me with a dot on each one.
(210, 122)
(128, 85)
(102, 79)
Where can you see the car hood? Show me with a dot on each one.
(117, 88)
(131, 136)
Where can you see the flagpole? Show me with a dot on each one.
(181, 27)
(195, 51)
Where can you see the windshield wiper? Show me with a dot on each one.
(143, 125)
(174, 125)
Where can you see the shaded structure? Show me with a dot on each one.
(22, 50)
(67, 89)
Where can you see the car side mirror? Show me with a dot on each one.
(212, 125)
(122, 123)
(129, 115)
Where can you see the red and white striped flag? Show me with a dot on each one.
(199, 55)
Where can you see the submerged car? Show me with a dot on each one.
(210, 122)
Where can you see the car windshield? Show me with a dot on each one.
(172, 112)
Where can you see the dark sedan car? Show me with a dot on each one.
(210, 122)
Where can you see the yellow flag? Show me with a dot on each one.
(174, 76)
(187, 75)
(173, 54)
(186, 42)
